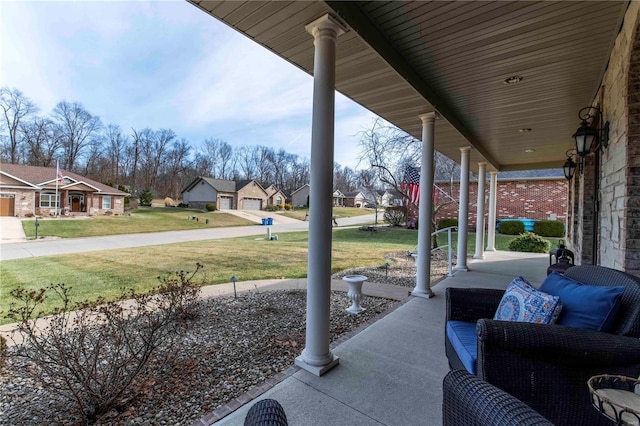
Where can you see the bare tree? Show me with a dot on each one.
(176, 164)
(15, 107)
(117, 143)
(77, 128)
(42, 141)
(246, 159)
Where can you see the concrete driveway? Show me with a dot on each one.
(11, 230)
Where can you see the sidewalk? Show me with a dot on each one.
(11, 230)
(390, 373)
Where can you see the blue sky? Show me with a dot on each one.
(164, 64)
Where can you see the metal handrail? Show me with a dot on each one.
(448, 245)
(448, 230)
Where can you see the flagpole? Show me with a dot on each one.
(57, 178)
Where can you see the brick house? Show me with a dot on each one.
(31, 191)
(531, 194)
(225, 194)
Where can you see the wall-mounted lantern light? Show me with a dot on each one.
(569, 166)
(589, 139)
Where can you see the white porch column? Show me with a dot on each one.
(316, 356)
(463, 209)
(482, 171)
(425, 212)
(491, 226)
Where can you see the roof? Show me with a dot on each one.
(352, 194)
(45, 178)
(306, 185)
(401, 59)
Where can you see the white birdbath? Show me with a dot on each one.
(355, 292)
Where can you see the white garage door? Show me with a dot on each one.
(252, 204)
(225, 203)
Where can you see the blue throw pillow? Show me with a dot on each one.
(524, 303)
(584, 306)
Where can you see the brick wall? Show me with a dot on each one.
(531, 199)
(617, 220)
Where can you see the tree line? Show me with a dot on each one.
(140, 158)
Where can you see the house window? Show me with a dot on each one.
(48, 199)
(278, 201)
(106, 202)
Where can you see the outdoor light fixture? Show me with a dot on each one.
(386, 270)
(569, 166)
(589, 139)
(233, 279)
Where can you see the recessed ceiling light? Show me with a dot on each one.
(529, 150)
(525, 130)
(513, 79)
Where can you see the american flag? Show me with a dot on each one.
(411, 184)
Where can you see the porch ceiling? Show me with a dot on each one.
(405, 58)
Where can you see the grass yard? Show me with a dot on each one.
(338, 212)
(141, 220)
(249, 258)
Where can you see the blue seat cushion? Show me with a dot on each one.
(584, 306)
(464, 339)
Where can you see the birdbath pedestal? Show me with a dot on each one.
(355, 292)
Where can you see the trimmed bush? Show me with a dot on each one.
(447, 222)
(168, 202)
(395, 215)
(511, 227)
(211, 207)
(287, 206)
(530, 243)
(270, 208)
(549, 228)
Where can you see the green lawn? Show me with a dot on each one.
(338, 212)
(248, 258)
(143, 219)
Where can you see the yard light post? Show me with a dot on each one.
(233, 279)
(386, 270)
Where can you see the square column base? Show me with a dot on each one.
(478, 256)
(461, 268)
(317, 370)
(423, 294)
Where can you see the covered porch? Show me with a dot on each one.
(391, 372)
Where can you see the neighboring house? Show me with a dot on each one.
(531, 194)
(275, 196)
(300, 197)
(354, 199)
(338, 198)
(226, 194)
(31, 191)
(390, 197)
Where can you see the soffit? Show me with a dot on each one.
(402, 59)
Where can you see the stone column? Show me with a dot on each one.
(463, 209)
(491, 226)
(316, 356)
(425, 209)
(482, 171)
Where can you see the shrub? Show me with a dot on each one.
(97, 355)
(549, 228)
(146, 197)
(168, 202)
(211, 207)
(446, 222)
(271, 208)
(511, 227)
(395, 215)
(287, 207)
(530, 242)
(183, 205)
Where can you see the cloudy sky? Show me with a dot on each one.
(164, 64)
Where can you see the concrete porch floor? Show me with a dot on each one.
(391, 373)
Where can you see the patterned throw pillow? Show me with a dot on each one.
(524, 303)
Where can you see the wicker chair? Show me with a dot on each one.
(266, 412)
(547, 366)
(469, 401)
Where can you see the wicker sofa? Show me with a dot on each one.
(469, 401)
(547, 366)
